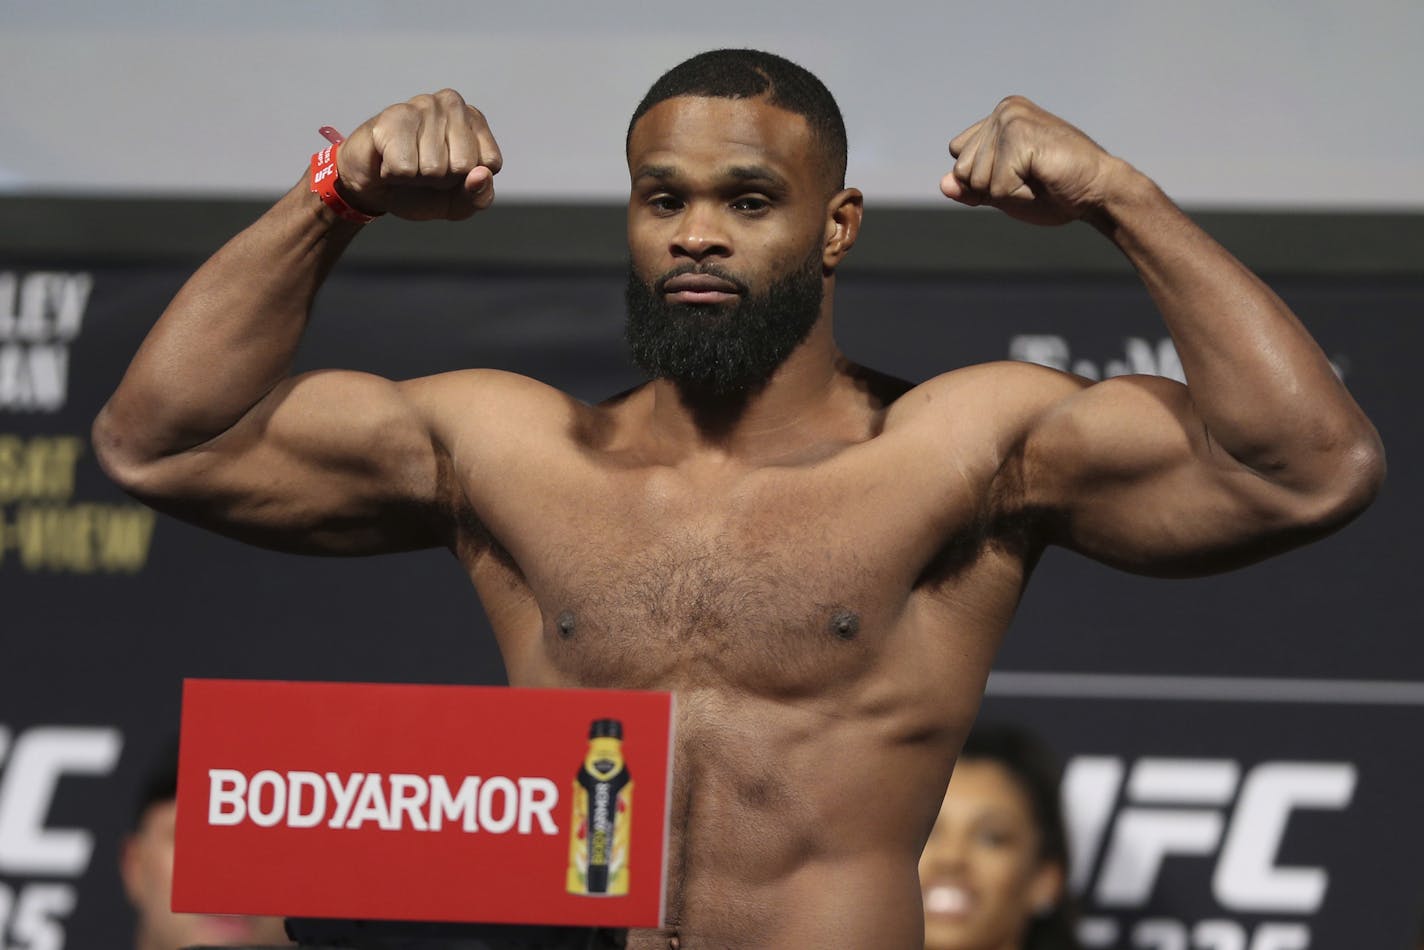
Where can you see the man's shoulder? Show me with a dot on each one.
(463, 383)
(1005, 377)
(490, 399)
(1007, 392)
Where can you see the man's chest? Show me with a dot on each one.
(780, 581)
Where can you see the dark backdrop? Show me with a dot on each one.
(1288, 697)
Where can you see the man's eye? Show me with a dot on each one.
(664, 203)
(751, 204)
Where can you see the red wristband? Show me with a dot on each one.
(323, 182)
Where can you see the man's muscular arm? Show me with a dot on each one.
(1263, 449)
(208, 424)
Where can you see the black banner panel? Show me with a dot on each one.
(1243, 751)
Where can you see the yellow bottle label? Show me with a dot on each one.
(602, 815)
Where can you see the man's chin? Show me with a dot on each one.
(721, 351)
(704, 313)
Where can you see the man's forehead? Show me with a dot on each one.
(733, 132)
(749, 173)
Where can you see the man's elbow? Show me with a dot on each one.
(1356, 475)
(117, 451)
(1367, 461)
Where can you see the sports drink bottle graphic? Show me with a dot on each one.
(603, 811)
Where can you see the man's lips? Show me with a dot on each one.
(699, 288)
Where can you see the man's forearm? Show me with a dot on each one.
(1261, 384)
(228, 336)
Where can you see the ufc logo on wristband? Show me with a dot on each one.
(323, 182)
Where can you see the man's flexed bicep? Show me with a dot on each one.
(1126, 472)
(1266, 450)
(330, 462)
(206, 423)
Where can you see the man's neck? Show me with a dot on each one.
(794, 410)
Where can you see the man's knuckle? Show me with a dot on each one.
(1014, 110)
(398, 167)
(402, 113)
(422, 103)
(450, 98)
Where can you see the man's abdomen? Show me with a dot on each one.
(792, 819)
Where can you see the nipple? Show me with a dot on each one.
(845, 624)
(565, 624)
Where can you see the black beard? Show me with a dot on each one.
(721, 350)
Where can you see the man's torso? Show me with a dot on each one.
(825, 619)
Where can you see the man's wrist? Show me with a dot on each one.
(352, 199)
(315, 211)
(326, 181)
(1124, 192)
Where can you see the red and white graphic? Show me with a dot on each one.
(387, 802)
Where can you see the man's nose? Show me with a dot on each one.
(699, 234)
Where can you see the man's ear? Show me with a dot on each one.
(843, 214)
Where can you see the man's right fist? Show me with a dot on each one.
(433, 157)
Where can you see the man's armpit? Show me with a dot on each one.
(1017, 521)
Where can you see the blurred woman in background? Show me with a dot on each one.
(993, 871)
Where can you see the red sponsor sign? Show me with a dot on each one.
(431, 803)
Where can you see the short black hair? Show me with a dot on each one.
(1035, 770)
(751, 74)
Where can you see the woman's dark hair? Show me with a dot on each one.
(1036, 771)
(159, 783)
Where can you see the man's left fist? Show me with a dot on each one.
(1030, 164)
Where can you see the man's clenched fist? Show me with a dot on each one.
(1031, 165)
(432, 157)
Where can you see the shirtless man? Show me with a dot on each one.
(817, 559)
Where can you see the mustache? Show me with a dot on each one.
(710, 270)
